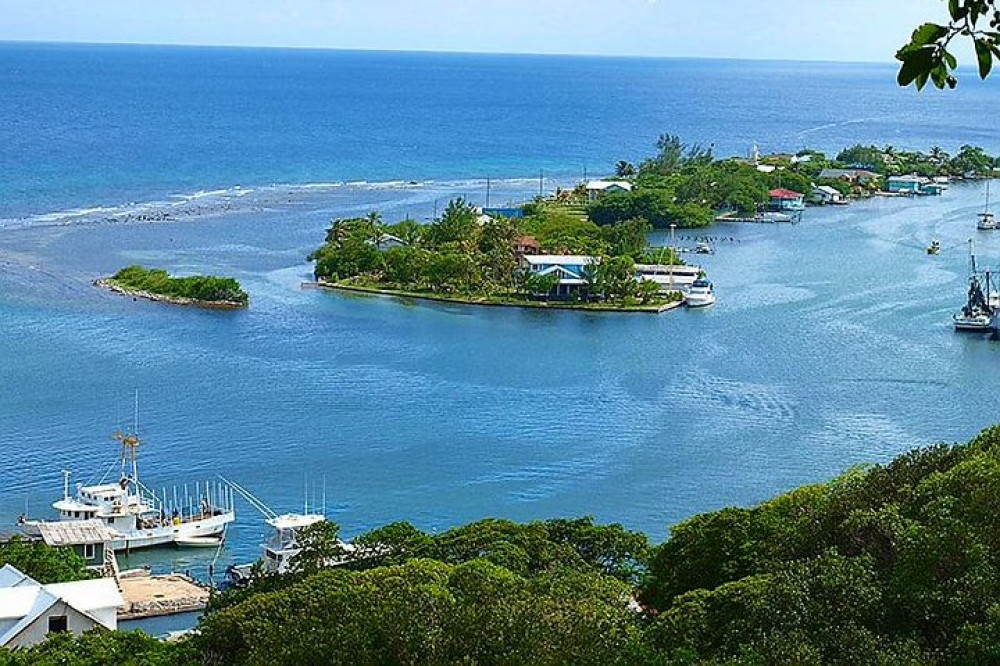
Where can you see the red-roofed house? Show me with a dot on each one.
(782, 199)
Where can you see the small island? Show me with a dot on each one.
(547, 256)
(155, 284)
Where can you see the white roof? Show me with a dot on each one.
(601, 185)
(74, 532)
(832, 191)
(25, 603)
(678, 269)
(562, 259)
(89, 595)
(908, 179)
(765, 168)
(294, 521)
(11, 577)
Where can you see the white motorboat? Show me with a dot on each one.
(140, 517)
(281, 548)
(700, 294)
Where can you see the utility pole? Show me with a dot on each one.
(487, 192)
(541, 182)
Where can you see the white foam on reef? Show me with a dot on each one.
(244, 200)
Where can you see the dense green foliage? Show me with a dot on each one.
(463, 254)
(42, 562)
(889, 564)
(101, 648)
(197, 287)
(926, 57)
(969, 161)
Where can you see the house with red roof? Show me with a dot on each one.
(782, 199)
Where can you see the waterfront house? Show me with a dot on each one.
(905, 184)
(597, 188)
(90, 539)
(30, 611)
(572, 270)
(782, 199)
(824, 194)
(853, 176)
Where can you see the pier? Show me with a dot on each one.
(154, 596)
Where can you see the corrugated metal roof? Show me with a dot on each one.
(75, 532)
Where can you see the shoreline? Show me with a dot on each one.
(106, 283)
(459, 300)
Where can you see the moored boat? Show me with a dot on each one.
(140, 517)
(977, 314)
(987, 221)
(700, 294)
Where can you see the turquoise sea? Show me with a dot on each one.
(830, 346)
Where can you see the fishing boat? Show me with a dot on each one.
(700, 294)
(987, 222)
(281, 548)
(142, 518)
(977, 313)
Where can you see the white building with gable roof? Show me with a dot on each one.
(30, 611)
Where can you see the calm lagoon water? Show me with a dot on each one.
(830, 345)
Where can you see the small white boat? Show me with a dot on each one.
(199, 542)
(703, 248)
(773, 217)
(700, 294)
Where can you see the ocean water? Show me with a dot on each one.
(830, 346)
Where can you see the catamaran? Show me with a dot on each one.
(139, 517)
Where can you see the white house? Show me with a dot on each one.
(29, 611)
(596, 188)
(824, 194)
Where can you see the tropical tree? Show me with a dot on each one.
(928, 55)
(624, 169)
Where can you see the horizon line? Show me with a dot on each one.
(421, 51)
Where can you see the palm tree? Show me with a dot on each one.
(624, 169)
(376, 231)
(337, 232)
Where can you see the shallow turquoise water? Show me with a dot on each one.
(830, 347)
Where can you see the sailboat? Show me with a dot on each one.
(987, 222)
(977, 314)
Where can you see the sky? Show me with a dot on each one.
(842, 30)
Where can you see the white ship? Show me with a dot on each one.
(700, 294)
(138, 516)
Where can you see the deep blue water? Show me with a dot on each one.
(830, 345)
(86, 125)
